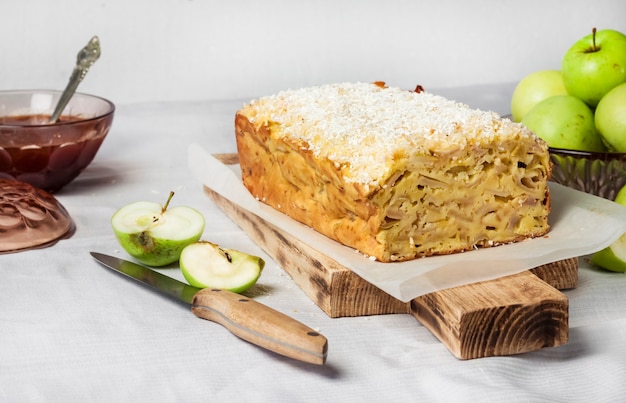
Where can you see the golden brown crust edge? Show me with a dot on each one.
(263, 177)
(280, 174)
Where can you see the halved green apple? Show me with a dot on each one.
(613, 257)
(154, 234)
(206, 265)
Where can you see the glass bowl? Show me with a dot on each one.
(600, 173)
(49, 156)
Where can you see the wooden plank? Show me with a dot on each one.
(335, 289)
(562, 274)
(510, 315)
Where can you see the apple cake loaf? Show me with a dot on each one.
(395, 174)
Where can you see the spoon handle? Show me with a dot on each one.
(84, 60)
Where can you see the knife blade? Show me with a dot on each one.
(244, 317)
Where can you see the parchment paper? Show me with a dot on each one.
(580, 225)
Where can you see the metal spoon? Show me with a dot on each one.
(84, 60)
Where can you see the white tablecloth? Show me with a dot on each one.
(71, 330)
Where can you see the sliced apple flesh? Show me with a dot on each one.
(156, 235)
(206, 265)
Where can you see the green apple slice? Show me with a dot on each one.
(154, 234)
(206, 265)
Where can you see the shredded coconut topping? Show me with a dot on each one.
(362, 127)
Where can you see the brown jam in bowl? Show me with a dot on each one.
(49, 156)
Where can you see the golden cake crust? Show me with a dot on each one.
(394, 174)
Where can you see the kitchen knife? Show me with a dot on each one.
(242, 316)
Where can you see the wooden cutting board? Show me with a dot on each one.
(510, 315)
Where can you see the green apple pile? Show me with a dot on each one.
(156, 235)
(582, 106)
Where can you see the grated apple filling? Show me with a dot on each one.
(448, 179)
(484, 201)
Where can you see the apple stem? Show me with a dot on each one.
(167, 203)
(593, 40)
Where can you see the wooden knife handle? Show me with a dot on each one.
(261, 325)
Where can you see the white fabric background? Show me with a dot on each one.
(211, 49)
(71, 330)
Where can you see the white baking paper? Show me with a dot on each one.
(580, 225)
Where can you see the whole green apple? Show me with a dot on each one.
(614, 256)
(154, 234)
(594, 65)
(610, 118)
(533, 89)
(206, 265)
(565, 121)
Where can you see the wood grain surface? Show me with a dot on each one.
(510, 315)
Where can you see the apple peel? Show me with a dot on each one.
(613, 257)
